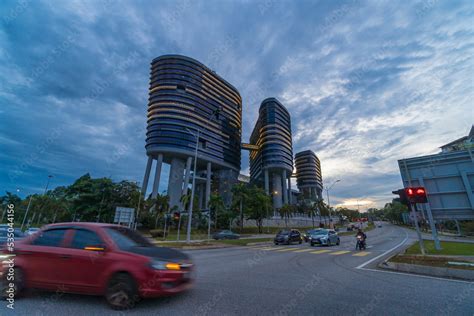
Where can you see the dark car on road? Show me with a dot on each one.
(325, 237)
(307, 235)
(287, 237)
(17, 235)
(98, 259)
(225, 234)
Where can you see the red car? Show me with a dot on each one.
(97, 259)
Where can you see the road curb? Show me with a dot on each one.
(428, 270)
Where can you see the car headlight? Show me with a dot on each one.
(286, 237)
(163, 265)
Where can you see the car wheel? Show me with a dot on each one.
(18, 284)
(276, 243)
(300, 242)
(338, 242)
(312, 245)
(329, 243)
(121, 292)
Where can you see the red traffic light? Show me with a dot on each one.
(176, 216)
(416, 195)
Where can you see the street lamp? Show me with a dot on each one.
(190, 211)
(47, 184)
(329, 204)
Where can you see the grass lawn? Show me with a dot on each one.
(449, 248)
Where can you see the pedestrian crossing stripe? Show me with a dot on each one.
(303, 250)
(320, 251)
(361, 254)
(339, 252)
(287, 249)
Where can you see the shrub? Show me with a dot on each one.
(157, 233)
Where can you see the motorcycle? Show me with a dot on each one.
(360, 243)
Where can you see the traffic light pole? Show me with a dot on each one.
(415, 218)
(434, 232)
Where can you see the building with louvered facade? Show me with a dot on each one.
(189, 102)
(271, 165)
(308, 175)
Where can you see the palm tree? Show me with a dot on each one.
(322, 209)
(285, 212)
(161, 207)
(239, 192)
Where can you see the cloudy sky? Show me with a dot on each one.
(366, 82)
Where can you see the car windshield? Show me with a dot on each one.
(320, 232)
(283, 232)
(126, 238)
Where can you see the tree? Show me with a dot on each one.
(240, 193)
(216, 205)
(286, 211)
(258, 203)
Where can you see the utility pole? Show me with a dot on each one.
(329, 204)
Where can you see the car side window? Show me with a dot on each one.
(84, 238)
(50, 238)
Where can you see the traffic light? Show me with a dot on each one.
(412, 195)
(416, 194)
(403, 196)
(176, 216)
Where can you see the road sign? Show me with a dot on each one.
(124, 215)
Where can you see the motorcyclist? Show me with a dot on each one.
(362, 236)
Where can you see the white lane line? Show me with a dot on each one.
(383, 254)
(417, 275)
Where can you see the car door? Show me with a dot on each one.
(42, 258)
(87, 262)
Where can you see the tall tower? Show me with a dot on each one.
(271, 165)
(308, 175)
(188, 104)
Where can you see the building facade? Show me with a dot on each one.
(308, 175)
(190, 106)
(271, 165)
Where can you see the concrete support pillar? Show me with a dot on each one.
(186, 176)
(267, 182)
(285, 188)
(156, 182)
(201, 194)
(147, 175)
(277, 192)
(290, 197)
(208, 185)
(175, 183)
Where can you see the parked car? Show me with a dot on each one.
(325, 237)
(288, 236)
(99, 259)
(225, 234)
(31, 231)
(17, 235)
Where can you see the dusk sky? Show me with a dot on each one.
(366, 82)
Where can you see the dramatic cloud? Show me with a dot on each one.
(366, 82)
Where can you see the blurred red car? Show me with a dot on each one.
(98, 259)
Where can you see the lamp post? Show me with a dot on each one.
(329, 204)
(190, 211)
(47, 184)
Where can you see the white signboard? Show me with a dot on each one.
(124, 215)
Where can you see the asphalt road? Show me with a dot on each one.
(288, 280)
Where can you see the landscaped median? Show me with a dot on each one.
(455, 260)
(214, 243)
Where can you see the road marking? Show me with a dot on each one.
(339, 252)
(303, 250)
(287, 249)
(320, 251)
(361, 254)
(383, 254)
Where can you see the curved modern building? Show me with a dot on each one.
(274, 157)
(189, 102)
(308, 175)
